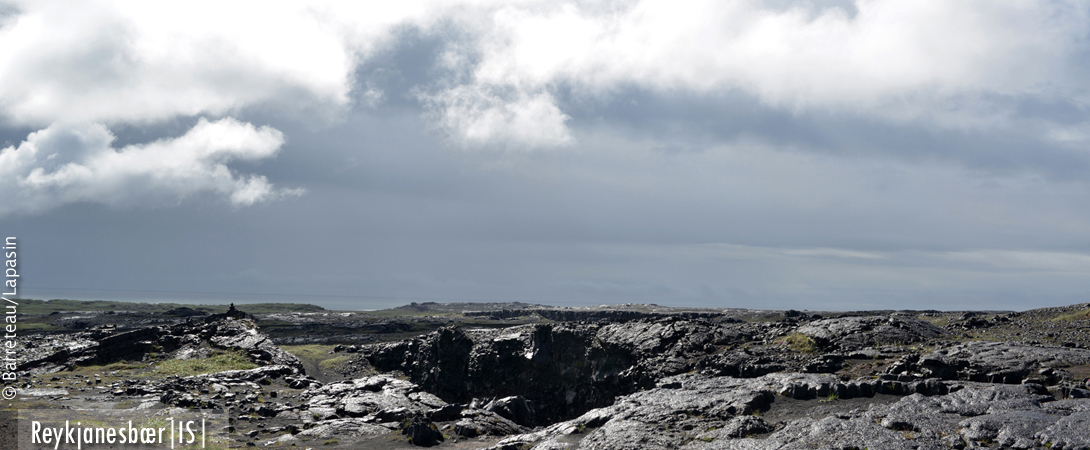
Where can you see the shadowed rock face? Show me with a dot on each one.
(552, 365)
(564, 369)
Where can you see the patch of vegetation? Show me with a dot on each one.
(333, 364)
(109, 372)
(218, 362)
(1082, 314)
(312, 352)
(936, 320)
(800, 343)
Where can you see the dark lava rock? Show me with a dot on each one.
(422, 433)
(381, 398)
(694, 412)
(514, 408)
(184, 312)
(184, 340)
(382, 404)
(852, 333)
(476, 422)
(564, 369)
(994, 362)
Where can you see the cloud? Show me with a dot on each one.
(474, 116)
(940, 62)
(67, 164)
(134, 61)
(508, 68)
(143, 64)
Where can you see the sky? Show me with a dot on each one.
(811, 154)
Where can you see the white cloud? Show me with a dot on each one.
(888, 49)
(901, 60)
(61, 165)
(139, 62)
(477, 117)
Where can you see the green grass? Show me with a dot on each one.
(216, 363)
(124, 370)
(800, 343)
(1082, 314)
(333, 364)
(312, 352)
(318, 357)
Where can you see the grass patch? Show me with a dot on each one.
(938, 321)
(333, 364)
(1082, 314)
(318, 358)
(312, 352)
(218, 362)
(800, 343)
(123, 369)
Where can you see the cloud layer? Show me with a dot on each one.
(62, 164)
(950, 65)
(505, 66)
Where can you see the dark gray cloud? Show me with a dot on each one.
(391, 215)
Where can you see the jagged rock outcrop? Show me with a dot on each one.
(191, 339)
(383, 403)
(694, 412)
(853, 333)
(564, 369)
(383, 398)
(993, 362)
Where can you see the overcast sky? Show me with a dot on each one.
(810, 154)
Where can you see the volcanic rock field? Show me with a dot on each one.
(520, 376)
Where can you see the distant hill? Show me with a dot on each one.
(27, 306)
